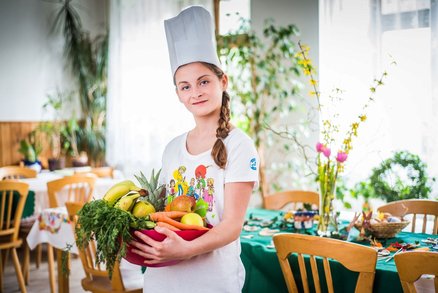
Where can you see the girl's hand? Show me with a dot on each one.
(173, 247)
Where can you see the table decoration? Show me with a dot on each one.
(384, 225)
(331, 164)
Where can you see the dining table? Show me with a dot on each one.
(263, 272)
(39, 199)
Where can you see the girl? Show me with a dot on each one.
(211, 263)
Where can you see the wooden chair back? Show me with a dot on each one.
(413, 264)
(10, 219)
(76, 188)
(354, 257)
(96, 276)
(17, 172)
(279, 200)
(414, 207)
(100, 172)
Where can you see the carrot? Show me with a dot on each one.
(156, 217)
(167, 225)
(180, 225)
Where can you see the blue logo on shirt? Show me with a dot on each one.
(253, 164)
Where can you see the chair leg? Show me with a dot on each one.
(1, 271)
(39, 254)
(51, 261)
(26, 263)
(18, 270)
(5, 256)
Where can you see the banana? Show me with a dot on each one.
(118, 190)
(127, 202)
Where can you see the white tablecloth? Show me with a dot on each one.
(53, 226)
(39, 186)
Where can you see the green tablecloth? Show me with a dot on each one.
(263, 272)
(29, 206)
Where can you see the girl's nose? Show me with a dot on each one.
(197, 93)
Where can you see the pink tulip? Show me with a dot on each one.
(326, 151)
(341, 157)
(319, 147)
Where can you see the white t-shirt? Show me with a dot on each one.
(198, 175)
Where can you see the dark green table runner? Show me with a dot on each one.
(29, 206)
(263, 272)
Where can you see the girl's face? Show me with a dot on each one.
(199, 89)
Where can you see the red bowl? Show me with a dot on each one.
(134, 258)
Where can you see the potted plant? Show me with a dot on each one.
(55, 128)
(70, 143)
(30, 148)
(52, 131)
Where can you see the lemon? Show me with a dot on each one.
(192, 219)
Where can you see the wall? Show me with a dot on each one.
(32, 65)
(31, 57)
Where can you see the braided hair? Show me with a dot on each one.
(219, 151)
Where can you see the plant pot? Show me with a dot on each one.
(56, 164)
(33, 165)
(80, 161)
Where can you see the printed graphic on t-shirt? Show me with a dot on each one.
(197, 185)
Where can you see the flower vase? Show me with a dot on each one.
(328, 223)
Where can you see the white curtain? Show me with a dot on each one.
(358, 40)
(144, 112)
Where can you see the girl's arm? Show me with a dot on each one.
(237, 197)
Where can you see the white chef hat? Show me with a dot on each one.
(190, 38)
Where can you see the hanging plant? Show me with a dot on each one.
(402, 176)
(263, 73)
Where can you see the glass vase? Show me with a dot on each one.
(328, 223)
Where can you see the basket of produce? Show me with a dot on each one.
(125, 208)
(383, 225)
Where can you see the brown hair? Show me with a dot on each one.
(219, 151)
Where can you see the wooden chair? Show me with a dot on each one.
(10, 224)
(355, 257)
(279, 200)
(100, 172)
(60, 191)
(18, 172)
(96, 277)
(414, 207)
(412, 265)
(76, 188)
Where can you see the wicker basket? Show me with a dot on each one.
(384, 229)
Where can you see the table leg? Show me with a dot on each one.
(63, 278)
(51, 263)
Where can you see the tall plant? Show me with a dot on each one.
(88, 59)
(262, 74)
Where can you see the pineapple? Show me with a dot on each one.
(153, 193)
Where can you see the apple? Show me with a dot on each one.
(192, 219)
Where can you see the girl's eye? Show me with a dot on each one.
(204, 82)
(184, 88)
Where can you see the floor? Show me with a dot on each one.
(38, 278)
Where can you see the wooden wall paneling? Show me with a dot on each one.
(10, 135)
